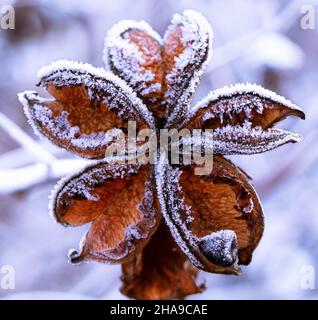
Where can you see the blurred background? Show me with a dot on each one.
(254, 41)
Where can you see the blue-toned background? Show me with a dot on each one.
(255, 41)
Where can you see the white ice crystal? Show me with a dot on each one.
(60, 127)
(244, 139)
(103, 86)
(61, 65)
(125, 56)
(124, 25)
(238, 139)
(220, 246)
(167, 183)
(190, 64)
(257, 92)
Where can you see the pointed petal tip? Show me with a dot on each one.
(297, 112)
(25, 96)
(302, 115)
(296, 137)
(75, 257)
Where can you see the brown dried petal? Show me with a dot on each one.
(133, 51)
(117, 200)
(212, 217)
(90, 109)
(239, 105)
(161, 271)
(187, 48)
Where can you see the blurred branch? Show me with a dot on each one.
(13, 180)
(25, 140)
(47, 167)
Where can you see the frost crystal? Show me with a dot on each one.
(123, 55)
(190, 64)
(171, 204)
(101, 85)
(42, 117)
(249, 97)
(246, 139)
(220, 247)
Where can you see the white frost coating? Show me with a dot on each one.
(124, 25)
(60, 126)
(161, 176)
(221, 246)
(239, 139)
(240, 89)
(151, 88)
(22, 96)
(67, 73)
(63, 64)
(81, 244)
(126, 57)
(245, 139)
(197, 31)
(97, 140)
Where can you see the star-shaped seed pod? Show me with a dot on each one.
(161, 221)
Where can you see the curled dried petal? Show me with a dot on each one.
(216, 218)
(118, 201)
(242, 117)
(133, 51)
(161, 271)
(246, 140)
(187, 49)
(238, 139)
(240, 104)
(90, 111)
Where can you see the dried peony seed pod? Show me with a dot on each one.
(161, 221)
